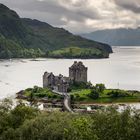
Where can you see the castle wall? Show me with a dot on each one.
(48, 80)
(45, 81)
(63, 87)
(58, 83)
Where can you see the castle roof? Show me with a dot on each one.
(47, 74)
(78, 65)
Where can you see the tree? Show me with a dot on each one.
(32, 96)
(100, 87)
(89, 85)
(5, 106)
(94, 94)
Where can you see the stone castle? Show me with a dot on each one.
(77, 73)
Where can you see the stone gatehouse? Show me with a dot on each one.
(77, 73)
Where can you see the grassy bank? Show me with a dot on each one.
(83, 95)
(38, 93)
(107, 96)
(76, 52)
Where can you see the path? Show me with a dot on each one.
(66, 100)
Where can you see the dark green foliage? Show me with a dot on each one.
(26, 123)
(94, 94)
(72, 98)
(80, 85)
(100, 88)
(24, 38)
(12, 119)
(118, 93)
(10, 49)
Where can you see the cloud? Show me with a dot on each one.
(61, 8)
(80, 15)
(132, 5)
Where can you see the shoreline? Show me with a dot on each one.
(127, 103)
(36, 59)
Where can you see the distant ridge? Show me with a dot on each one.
(116, 37)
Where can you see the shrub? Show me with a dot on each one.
(94, 94)
(100, 87)
(80, 85)
(117, 94)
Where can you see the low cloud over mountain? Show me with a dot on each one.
(80, 16)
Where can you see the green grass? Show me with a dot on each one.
(76, 52)
(39, 92)
(82, 95)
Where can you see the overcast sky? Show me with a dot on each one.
(79, 16)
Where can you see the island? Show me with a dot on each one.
(75, 93)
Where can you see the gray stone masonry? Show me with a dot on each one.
(77, 73)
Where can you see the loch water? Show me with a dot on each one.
(121, 70)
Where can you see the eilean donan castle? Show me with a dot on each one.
(77, 73)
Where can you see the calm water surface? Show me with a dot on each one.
(121, 70)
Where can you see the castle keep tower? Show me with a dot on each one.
(78, 72)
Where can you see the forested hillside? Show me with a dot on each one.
(32, 38)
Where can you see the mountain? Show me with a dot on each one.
(116, 37)
(24, 38)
